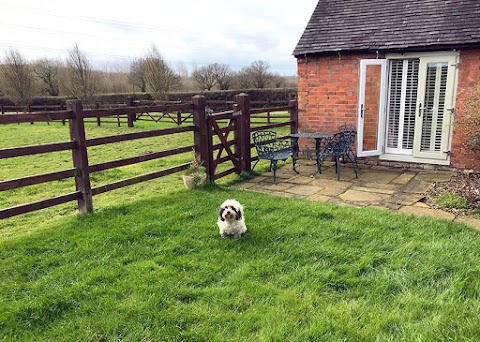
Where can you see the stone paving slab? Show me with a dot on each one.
(319, 198)
(280, 186)
(406, 198)
(473, 222)
(421, 205)
(303, 190)
(440, 214)
(404, 178)
(388, 205)
(331, 187)
(363, 197)
(375, 176)
(373, 189)
(438, 176)
(300, 180)
(259, 179)
(417, 186)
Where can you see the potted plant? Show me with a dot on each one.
(195, 176)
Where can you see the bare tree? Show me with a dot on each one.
(17, 78)
(223, 75)
(278, 81)
(79, 78)
(47, 71)
(136, 77)
(204, 77)
(159, 77)
(260, 74)
(243, 78)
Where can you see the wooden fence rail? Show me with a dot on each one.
(234, 146)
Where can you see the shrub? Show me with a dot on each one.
(452, 200)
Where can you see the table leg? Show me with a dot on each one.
(294, 141)
(318, 142)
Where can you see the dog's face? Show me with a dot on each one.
(230, 210)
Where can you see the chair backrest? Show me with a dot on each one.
(349, 137)
(264, 137)
(346, 127)
(335, 144)
(264, 143)
(340, 144)
(350, 133)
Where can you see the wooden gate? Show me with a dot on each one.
(225, 138)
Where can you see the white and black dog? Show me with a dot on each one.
(231, 219)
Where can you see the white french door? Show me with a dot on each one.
(436, 88)
(414, 117)
(371, 118)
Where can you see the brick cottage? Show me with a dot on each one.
(398, 70)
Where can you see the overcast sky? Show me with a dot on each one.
(191, 33)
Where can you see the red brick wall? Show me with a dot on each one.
(328, 95)
(468, 79)
(328, 91)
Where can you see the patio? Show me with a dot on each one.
(377, 186)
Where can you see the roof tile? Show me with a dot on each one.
(343, 25)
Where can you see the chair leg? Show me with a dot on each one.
(294, 162)
(353, 164)
(255, 164)
(337, 166)
(318, 164)
(274, 165)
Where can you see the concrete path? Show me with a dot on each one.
(377, 186)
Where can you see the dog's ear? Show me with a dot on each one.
(220, 214)
(239, 213)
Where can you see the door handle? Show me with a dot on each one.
(420, 109)
(361, 110)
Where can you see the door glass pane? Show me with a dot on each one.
(434, 107)
(402, 103)
(410, 104)
(371, 106)
(394, 103)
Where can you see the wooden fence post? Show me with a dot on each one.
(29, 110)
(80, 158)
(97, 106)
(61, 108)
(269, 104)
(131, 117)
(202, 136)
(293, 116)
(179, 117)
(243, 137)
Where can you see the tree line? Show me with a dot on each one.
(21, 80)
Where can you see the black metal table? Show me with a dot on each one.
(318, 143)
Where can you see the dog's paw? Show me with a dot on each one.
(239, 235)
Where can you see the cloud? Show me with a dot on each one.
(193, 32)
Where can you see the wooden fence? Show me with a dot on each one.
(234, 148)
(178, 117)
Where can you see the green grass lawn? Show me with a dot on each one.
(157, 269)
(150, 265)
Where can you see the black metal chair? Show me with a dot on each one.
(270, 148)
(339, 146)
(350, 134)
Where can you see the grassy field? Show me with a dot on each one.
(149, 265)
